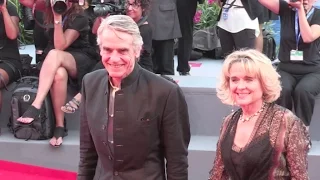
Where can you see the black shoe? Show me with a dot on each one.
(184, 73)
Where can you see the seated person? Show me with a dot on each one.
(136, 9)
(299, 55)
(68, 58)
(10, 63)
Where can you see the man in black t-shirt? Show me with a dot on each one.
(299, 54)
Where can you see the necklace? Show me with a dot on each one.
(255, 114)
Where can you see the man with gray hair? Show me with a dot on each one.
(134, 124)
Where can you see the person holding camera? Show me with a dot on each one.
(137, 10)
(68, 57)
(299, 54)
(10, 64)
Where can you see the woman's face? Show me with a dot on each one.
(134, 10)
(245, 88)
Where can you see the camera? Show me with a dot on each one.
(60, 6)
(103, 8)
(1, 2)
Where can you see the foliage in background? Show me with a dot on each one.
(206, 15)
(268, 26)
(26, 36)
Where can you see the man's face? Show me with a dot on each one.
(118, 53)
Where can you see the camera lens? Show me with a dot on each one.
(60, 6)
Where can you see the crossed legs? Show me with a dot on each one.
(56, 68)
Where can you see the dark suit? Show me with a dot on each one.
(164, 21)
(186, 11)
(150, 124)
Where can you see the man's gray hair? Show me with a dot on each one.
(124, 24)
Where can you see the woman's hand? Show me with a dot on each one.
(56, 16)
(299, 4)
(3, 6)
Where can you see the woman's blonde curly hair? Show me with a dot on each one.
(255, 64)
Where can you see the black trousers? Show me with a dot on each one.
(298, 92)
(186, 12)
(162, 57)
(235, 41)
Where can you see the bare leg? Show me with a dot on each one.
(59, 95)
(53, 61)
(259, 40)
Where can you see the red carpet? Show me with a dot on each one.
(17, 171)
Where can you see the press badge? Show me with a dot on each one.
(225, 13)
(296, 55)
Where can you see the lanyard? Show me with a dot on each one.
(230, 5)
(63, 20)
(296, 27)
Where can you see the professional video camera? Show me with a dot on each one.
(1, 2)
(108, 7)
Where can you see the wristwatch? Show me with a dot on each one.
(57, 22)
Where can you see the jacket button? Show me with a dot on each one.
(116, 173)
(110, 158)
(103, 127)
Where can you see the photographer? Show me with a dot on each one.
(10, 64)
(137, 10)
(299, 54)
(68, 57)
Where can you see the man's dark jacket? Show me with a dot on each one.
(151, 125)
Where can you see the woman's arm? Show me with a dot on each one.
(308, 33)
(63, 39)
(96, 25)
(297, 147)
(272, 5)
(218, 172)
(41, 4)
(11, 20)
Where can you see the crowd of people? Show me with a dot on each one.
(134, 124)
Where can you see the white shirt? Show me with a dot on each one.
(238, 19)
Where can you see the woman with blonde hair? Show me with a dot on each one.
(260, 140)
